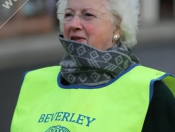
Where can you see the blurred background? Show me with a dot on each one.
(29, 41)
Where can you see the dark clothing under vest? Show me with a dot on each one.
(161, 112)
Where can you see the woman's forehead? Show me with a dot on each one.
(81, 4)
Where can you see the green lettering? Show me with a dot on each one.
(89, 120)
(48, 117)
(53, 116)
(80, 119)
(66, 115)
(72, 117)
(58, 117)
(41, 119)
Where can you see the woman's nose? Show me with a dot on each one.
(76, 23)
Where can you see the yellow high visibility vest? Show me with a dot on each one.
(45, 105)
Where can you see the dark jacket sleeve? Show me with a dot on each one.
(161, 112)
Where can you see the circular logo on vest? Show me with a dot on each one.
(57, 128)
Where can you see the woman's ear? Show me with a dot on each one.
(117, 31)
(116, 34)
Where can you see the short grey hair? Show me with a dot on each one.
(125, 16)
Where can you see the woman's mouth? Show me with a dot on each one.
(77, 39)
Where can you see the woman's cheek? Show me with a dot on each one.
(66, 32)
(90, 29)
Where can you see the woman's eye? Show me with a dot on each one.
(68, 15)
(89, 14)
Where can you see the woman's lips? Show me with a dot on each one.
(77, 38)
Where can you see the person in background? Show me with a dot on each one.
(100, 85)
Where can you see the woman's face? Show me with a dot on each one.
(98, 32)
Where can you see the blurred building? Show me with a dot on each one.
(155, 11)
(39, 16)
(35, 17)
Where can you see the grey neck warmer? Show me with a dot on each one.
(86, 65)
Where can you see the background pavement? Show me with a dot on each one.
(156, 49)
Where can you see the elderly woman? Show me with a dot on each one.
(100, 85)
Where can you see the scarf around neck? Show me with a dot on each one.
(86, 65)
